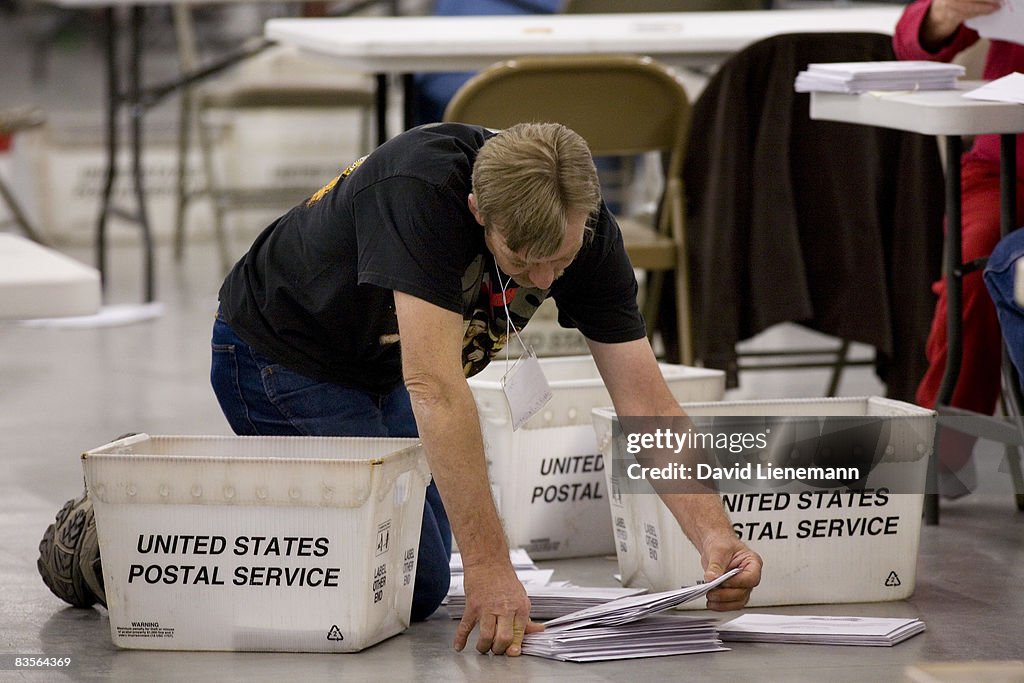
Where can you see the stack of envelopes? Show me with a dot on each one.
(853, 77)
(820, 630)
(629, 627)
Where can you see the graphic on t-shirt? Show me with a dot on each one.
(322, 192)
(487, 326)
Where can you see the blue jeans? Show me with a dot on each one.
(999, 278)
(260, 397)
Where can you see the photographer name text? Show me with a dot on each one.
(740, 472)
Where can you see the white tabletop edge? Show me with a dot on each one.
(443, 43)
(96, 4)
(934, 112)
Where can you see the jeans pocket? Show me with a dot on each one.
(225, 380)
(294, 394)
(223, 365)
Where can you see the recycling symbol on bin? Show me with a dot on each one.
(892, 580)
(335, 633)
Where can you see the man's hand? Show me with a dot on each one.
(637, 387)
(945, 16)
(497, 601)
(719, 554)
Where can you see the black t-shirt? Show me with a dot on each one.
(315, 291)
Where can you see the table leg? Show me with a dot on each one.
(381, 105)
(381, 108)
(1007, 183)
(408, 101)
(953, 258)
(952, 267)
(113, 105)
(116, 97)
(137, 113)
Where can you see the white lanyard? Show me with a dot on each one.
(524, 384)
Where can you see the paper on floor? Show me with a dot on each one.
(820, 630)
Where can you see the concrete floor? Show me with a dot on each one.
(64, 391)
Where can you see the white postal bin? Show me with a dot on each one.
(548, 477)
(302, 544)
(870, 556)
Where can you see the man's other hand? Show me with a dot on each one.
(722, 552)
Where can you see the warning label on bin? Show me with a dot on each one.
(145, 629)
(383, 538)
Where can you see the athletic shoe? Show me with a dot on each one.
(69, 555)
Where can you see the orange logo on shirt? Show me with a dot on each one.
(322, 192)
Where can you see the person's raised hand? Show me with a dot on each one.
(945, 16)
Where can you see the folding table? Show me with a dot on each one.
(403, 45)
(946, 113)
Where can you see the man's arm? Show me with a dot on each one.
(450, 430)
(637, 387)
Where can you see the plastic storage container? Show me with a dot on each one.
(548, 476)
(303, 544)
(820, 545)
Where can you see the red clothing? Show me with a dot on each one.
(1003, 58)
(978, 385)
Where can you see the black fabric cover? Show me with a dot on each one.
(834, 226)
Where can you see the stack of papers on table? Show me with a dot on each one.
(853, 77)
(776, 628)
(625, 628)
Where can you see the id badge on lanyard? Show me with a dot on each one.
(525, 387)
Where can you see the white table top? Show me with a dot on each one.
(98, 4)
(38, 282)
(405, 44)
(932, 112)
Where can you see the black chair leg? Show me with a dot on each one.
(837, 370)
